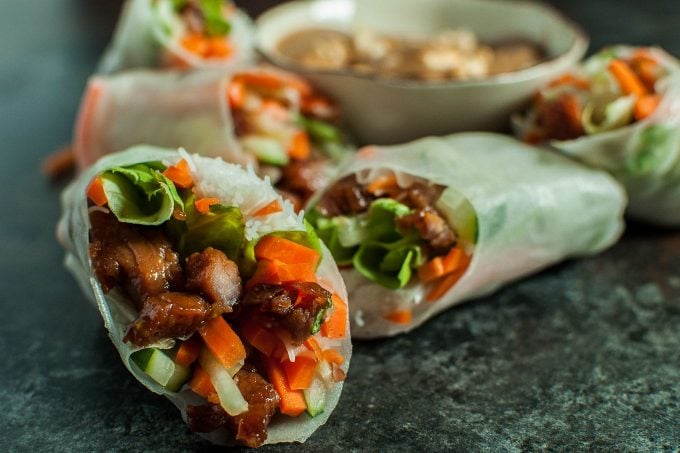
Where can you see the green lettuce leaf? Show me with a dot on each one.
(215, 23)
(390, 265)
(656, 145)
(380, 220)
(140, 193)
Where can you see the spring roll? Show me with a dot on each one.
(213, 290)
(618, 112)
(262, 116)
(420, 227)
(183, 34)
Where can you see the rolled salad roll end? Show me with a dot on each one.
(263, 116)
(419, 227)
(179, 34)
(213, 290)
(618, 111)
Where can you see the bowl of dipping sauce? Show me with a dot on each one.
(403, 69)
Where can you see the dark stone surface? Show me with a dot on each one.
(584, 356)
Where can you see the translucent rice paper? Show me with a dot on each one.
(170, 109)
(234, 186)
(644, 156)
(533, 209)
(141, 40)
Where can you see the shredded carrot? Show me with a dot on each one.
(95, 192)
(188, 351)
(313, 345)
(86, 130)
(646, 105)
(276, 272)
(223, 342)
(270, 208)
(335, 326)
(202, 205)
(441, 265)
(572, 80)
(180, 174)
(400, 316)
(628, 81)
(236, 93)
(319, 106)
(443, 285)
(332, 356)
(301, 372)
(292, 401)
(201, 384)
(259, 338)
(381, 184)
(299, 146)
(275, 248)
(196, 43)
(218, 47)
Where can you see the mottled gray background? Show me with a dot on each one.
(584, 356)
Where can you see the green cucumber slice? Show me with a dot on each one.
(161, 368)
(267, 150)
(463, 218)
(315, 397)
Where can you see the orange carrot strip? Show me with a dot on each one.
(218, 47)
(196, 43)
(95, 192)
(201, 384)
(270, 208)
(180, 174)
(188, 351)
(59, 163)
(441, 287)
(335, 326)
(236, 93)
(431, 270)
(276, 248)
(379, 185)
(262, 340)
(223, 342)
(400, 316)
(646, 105)
(628, 81)
(301, 372)
(292, 401)
(274, 81)
(299, 146)
(276, 272)
(86, 129)
(333, 356)
(202, 205)
(313, 345)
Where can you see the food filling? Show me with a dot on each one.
(289, 128)
(200, 26)
(254, 333)
(393, 233)
(611, 90)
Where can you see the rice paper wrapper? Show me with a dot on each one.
(167, 109)
(644, 156)
(533, 209)
(234, 186)
(142, 38)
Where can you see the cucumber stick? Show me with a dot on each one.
(161, 368)
(315, 397)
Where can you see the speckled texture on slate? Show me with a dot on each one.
(585, 356)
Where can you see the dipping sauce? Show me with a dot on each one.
(454, 54)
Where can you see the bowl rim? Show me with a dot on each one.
(575, 52)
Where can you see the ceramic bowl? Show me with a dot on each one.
(386, 111)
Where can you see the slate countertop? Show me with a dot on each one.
(585, 355)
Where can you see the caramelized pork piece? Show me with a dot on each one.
(305, 177)
(215, 277)
(345, 197)
(432, 228)
(250, 428)
(417, 195)
(560, 118)
(167, 315)
(296, 307)
(141, 260)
